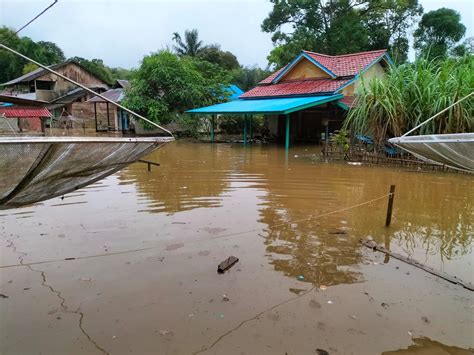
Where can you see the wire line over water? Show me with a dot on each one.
(200, 240)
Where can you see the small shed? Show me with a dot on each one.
(23, 118)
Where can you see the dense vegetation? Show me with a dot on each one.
(165, 85)
(47, 53)
(412, 93)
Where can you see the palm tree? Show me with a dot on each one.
(191, 46)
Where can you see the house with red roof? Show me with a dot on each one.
(308, 97)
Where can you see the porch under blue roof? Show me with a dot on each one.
(274, 106)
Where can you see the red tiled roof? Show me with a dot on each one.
(340, 65)
(303, 87)
(349, 101)
(269, 79)
(347, 64)
(24, 112)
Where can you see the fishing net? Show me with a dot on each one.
(453, 150)
(34, 169)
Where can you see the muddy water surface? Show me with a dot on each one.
(146, 246)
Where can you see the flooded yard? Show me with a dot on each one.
(129, 264)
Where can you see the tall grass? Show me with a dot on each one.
(412, 93)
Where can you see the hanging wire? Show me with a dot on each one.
(37, 16)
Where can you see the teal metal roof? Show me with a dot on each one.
(282, 105)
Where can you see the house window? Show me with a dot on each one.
(44, 85)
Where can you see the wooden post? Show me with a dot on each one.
(95, 115)
(108, 117)
(245, 129)
(287, 132)
(212, 129)
(390, 206)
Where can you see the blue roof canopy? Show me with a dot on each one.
(282, 105)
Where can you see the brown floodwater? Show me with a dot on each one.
(144, 249)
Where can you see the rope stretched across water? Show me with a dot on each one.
(200, 240)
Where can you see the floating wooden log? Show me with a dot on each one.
(453, 279)
(227, 264)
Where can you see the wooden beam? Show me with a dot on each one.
(453, 279)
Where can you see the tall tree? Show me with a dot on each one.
(339, 26)
(213, 54)
(166, 85)
(438, 32)
(190, 46)
(52, 54)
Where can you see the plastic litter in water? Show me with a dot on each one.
(301, 277)
(330, 302)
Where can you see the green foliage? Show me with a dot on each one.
(166, 85)
(96, 67)
(190, 46)
(214, 54)
(28, 68)
(234, 124)
(412, 93)
(121, 73)
(12, 66)
(338, 27)
(437, 32)
(341, 139)
(248, 77)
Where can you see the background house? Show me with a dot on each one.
(61, 98)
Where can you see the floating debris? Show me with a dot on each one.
(3, 296)
(227, 264)
(330, 302)
(300, 277)
(323, 287)
(225, 298)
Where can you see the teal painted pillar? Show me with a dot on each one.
(245, 130)
(287, 133)
(212, 129)
(250, 127)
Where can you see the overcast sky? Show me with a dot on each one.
(121, 32)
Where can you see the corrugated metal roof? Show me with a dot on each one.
(266, 106)
(303, 87)
(24, 112)
(123, 83)
(116, 95)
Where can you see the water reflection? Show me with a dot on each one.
(190, 176)
(433, 216)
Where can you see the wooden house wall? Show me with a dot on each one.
(304, 69)
(72, 71)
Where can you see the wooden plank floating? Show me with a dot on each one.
(227, 264)
(453, 279)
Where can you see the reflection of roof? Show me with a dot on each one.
(116, 95)
(24, 112)
(303, 87)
